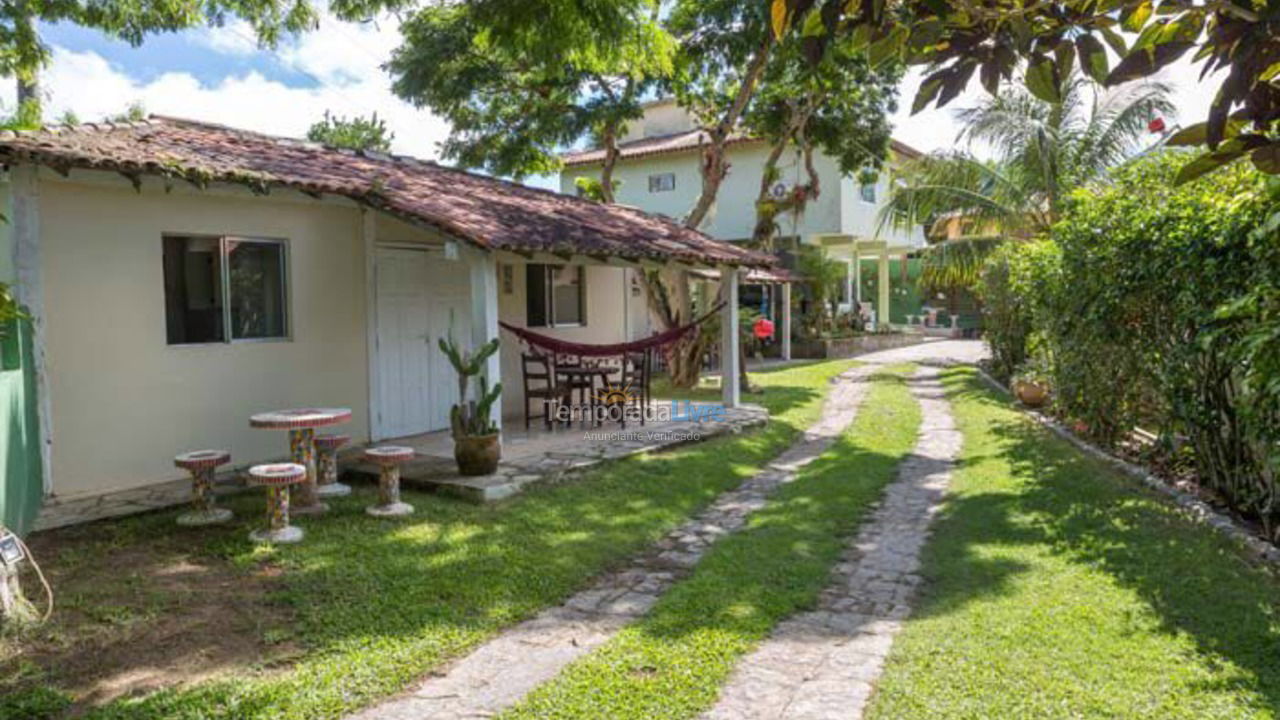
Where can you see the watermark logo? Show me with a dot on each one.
(618, 403)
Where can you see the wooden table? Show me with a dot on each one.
(590, 374)
(301, 424)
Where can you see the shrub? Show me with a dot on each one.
(1161, 313)
(1012, 290)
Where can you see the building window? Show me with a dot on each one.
(867, 191)
(662, 182)
(555, 295)
(221, 289)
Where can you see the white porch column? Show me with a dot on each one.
(484, 314)
(882, 306)
(849, 280)
(857, 275)
(786, 321)
(28, 290)
(729, 381)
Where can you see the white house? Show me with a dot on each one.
(658, 172)
(185, 275)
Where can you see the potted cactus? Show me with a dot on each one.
(475, 436)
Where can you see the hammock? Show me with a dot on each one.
(556, 345)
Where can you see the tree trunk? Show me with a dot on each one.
(713, 167)
(610, 160)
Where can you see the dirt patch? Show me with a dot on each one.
(143, 608)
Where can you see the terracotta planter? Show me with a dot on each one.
(477, 455)
(1030, 394)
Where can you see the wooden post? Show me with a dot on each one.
(369, 241)
(484, 315)
(786, 321)
(729, 370)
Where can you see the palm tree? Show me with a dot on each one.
(1040, 152)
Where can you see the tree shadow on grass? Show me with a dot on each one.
(1197, 583)
(376, 603)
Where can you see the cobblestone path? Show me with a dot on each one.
(823, 664)
(502, 671)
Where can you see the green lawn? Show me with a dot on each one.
(379, 603)
(672, 663)
(1056, 589)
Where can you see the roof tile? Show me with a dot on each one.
(489, 212)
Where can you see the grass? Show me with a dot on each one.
(672, 663)
(1055, 588)
(376, 604)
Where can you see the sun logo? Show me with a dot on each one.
(611, 395)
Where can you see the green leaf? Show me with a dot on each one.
(927, 92)
(1204, 164)
(1042, 80)
(1143, 62)
(1133, 17)
(1116, 41)
(1267, 158)
(1189, 136)
(813, 25)
(1093, 58)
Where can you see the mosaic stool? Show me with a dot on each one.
(327, 484)
(276, 478)
(389, 459)
(202, 464)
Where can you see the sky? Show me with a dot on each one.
(220, 75)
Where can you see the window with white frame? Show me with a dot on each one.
(223, 289)
(662, 182)
(555, 295)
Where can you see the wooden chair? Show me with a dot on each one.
(637, 369)
(538, 374)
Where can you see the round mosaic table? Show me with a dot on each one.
(301, 424)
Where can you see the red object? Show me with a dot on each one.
(1156, 125)
(557, 345)
(763, 329)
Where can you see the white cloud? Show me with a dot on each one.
(936, 129)
(343, 60)
(234, 38)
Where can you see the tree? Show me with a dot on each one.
(358, 133)
(839, 106)
(724, 48)
(514, 101)
(1043, 150)
(993, 39)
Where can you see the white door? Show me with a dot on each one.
(416, 290)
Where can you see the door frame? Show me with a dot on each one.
(372, 247)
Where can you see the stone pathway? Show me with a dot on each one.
(823, 664)
(502, 671)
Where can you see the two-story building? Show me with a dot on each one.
(658, 172)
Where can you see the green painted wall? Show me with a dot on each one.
(19, 431)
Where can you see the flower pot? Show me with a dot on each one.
(477, 455)
(1030, 394)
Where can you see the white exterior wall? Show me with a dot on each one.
(838, 209)
(610, 315)
(123, 401)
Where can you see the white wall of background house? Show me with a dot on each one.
(354, 303)
(838, 210)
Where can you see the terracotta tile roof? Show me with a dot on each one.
(686, 141)
(488, 212)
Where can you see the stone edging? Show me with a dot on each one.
(1193, 507)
